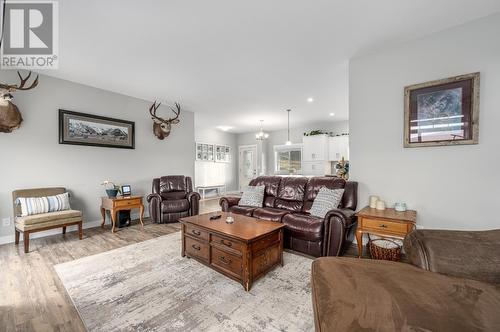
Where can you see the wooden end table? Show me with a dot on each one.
(388, 222)
(118, 204)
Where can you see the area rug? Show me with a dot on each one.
(148, 286)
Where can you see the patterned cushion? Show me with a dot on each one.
(38, 205)
(326, 200)
(252, 196)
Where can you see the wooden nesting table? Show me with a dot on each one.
(388, 222)
(243, 251)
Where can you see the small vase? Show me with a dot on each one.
(112, 193)
(230, 218)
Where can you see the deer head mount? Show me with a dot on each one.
(10, 117)
(162, 127)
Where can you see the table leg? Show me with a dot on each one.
(103, 213)
(359, 239)
(141, 216)
(281, 247)
(113, 219)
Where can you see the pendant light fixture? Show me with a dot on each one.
(288, 142)
(261, 135)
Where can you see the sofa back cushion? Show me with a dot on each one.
(172, 183)
(291, 193)
(272, 184)
(315, 184)
(172, 186)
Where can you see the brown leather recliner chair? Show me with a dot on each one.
(289, 200)
(172, 198)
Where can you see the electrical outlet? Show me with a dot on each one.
(6, 221)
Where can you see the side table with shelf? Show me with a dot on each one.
(118, 204)
(388, 223)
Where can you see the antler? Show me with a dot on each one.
(152, 111)
(21, 86)
(176, 111)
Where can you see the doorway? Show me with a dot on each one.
(247, 164)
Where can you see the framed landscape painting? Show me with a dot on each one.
(88, 129)
(443, 112)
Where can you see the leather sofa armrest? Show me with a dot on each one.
(337, 228)
(227, 202)
(154, 201)
(194, 203)
(150, 197)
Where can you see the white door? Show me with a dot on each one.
(248, 164)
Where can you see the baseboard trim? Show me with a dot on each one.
(86, 224)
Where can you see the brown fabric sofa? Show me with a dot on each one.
(289, 200)
(172, 198)
(351, 294)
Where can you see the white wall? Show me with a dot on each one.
(31, 156)
(456, 187)
(212, 173)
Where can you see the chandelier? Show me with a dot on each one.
(261, 135)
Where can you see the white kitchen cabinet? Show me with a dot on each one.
(338, 147)
(315, 148)
(316, 168)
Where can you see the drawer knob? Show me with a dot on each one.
(195, 232)
(228, 244)
(196, 247)
(382, 226)
(223, 260)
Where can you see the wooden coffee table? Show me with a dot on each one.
(243, 251)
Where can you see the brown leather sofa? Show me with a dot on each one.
(172, 198)
(455, 286)
(289, 200)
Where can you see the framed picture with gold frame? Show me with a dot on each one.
(443, 112)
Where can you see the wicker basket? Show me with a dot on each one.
(385, 249)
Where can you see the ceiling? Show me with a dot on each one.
(236, 62)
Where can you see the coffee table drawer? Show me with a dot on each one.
(266, 241)
(196, 232)
(224, 242)
(230, 263)
(385, 225)
(197, 249)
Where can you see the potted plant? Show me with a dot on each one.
(112, 190)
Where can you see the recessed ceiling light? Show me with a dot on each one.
(332, 114)
(310, 99)
(224, 128)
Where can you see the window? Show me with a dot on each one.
(288, 159)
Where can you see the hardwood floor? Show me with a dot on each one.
(32, 298)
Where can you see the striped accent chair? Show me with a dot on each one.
(28, 224)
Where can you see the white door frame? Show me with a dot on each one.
(240, 168)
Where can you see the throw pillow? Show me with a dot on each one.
(38, 205)
(326, 200)
(252, 196)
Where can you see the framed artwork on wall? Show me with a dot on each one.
(222, 153)
(204, 152)
(87, 129)
(442, 112)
